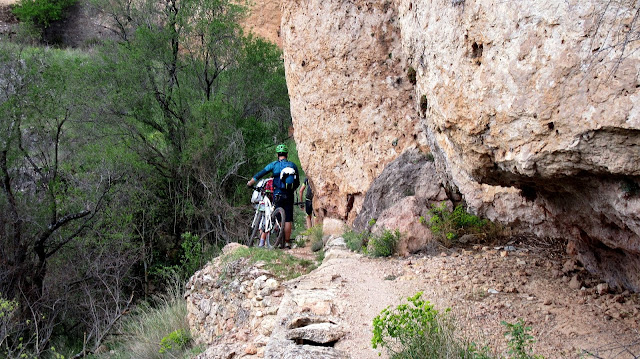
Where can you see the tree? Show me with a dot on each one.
(53, 186)
(190, 90)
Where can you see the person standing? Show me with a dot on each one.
(285, 182)
(308, 201)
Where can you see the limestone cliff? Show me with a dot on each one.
(531, 109)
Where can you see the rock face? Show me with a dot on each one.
(264, 20)
(351, 100)
(232, 307)
(531, 110)
(240, 310)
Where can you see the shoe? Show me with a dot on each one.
(261, 243)
(287, 246)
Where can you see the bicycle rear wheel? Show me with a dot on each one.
(277, 233)
(255, 230)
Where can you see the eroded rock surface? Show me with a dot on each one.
(531, 109)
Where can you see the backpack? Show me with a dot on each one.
(289, 180)
(267, 184)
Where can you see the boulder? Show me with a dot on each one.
(530, 110)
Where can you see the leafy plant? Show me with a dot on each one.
(519, 340)
(371, 222)
(384, 245)
(355, 241)
(451, 225)
(417, 330)
(41, 12)
(176, 340)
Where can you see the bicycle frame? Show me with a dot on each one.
(265, 224)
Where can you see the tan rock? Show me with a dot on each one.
(333, 227)
(521, 111)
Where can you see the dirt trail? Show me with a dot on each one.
(531, 282)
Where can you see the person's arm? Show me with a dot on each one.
(260, 174)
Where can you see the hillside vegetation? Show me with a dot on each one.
(122, 166)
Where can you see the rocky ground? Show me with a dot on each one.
(328, 313)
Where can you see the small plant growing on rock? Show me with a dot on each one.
(355, 241)
(385, 244)
(424, 104)
(519, 340)
(418, 330)
(411, 74)
(449, 226)
(177, 339)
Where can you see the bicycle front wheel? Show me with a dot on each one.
(277, 233)
(255, 230)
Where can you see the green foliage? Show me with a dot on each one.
(192, 258)
(176, 340)
(41, 12)
(147, 327)
(356, 241)
(384, 245)
(320, 256)
(519, 340)
(7, 307)
(449, 226)
(317, 245)
(417, 330)
(371, 222)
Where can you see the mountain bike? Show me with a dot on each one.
(269, 219)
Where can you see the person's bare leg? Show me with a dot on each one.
(287, 231)
(309, 224)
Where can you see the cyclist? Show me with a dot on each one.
(308, 201)
(285, 182)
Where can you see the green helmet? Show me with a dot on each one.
(282, 148)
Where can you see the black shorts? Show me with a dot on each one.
(286, 202)
(308, 207)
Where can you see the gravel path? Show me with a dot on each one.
(554, 295)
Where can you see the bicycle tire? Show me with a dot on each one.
(255, 233)
(277, 233)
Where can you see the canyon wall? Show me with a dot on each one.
(530, 109)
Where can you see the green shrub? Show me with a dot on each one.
(41, 12)
(384, 245)
(144, 332)
(176, 340)
(449, 226)
(355, 241)
(320, 256)
(418, 330)
(519, 340)
(317, 245)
